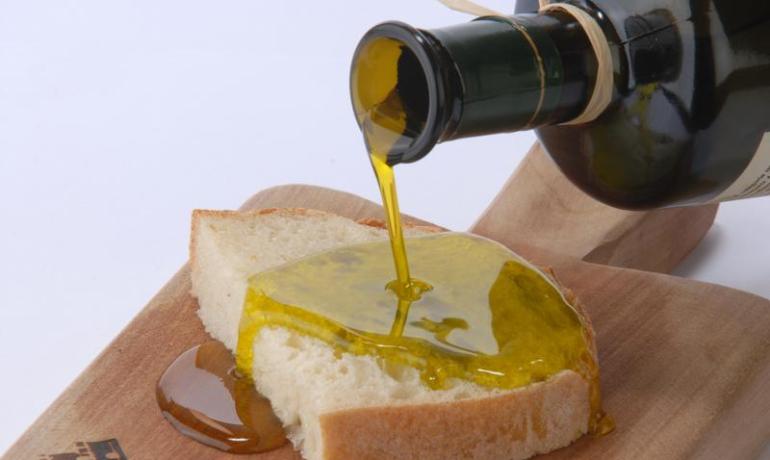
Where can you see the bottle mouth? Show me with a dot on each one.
(397, 92)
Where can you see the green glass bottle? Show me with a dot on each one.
(688, 117)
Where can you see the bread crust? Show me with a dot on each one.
(379, 223)
(515, 425)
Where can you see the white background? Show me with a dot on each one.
(118, 118)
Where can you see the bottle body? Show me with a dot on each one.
(689, 119)
(690, 105)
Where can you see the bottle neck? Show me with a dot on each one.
(491, 75)
(518, 72)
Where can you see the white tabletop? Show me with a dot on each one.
(119, 118)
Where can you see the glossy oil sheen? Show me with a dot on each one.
(490, 318)
(203, 397)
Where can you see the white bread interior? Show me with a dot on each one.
(352, 407)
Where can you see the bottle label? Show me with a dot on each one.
(755, 179)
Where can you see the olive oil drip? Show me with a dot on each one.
(384, 125)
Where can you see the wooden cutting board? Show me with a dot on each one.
(685, 365)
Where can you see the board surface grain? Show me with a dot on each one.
(685, 365)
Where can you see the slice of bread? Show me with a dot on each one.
(351, 407)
